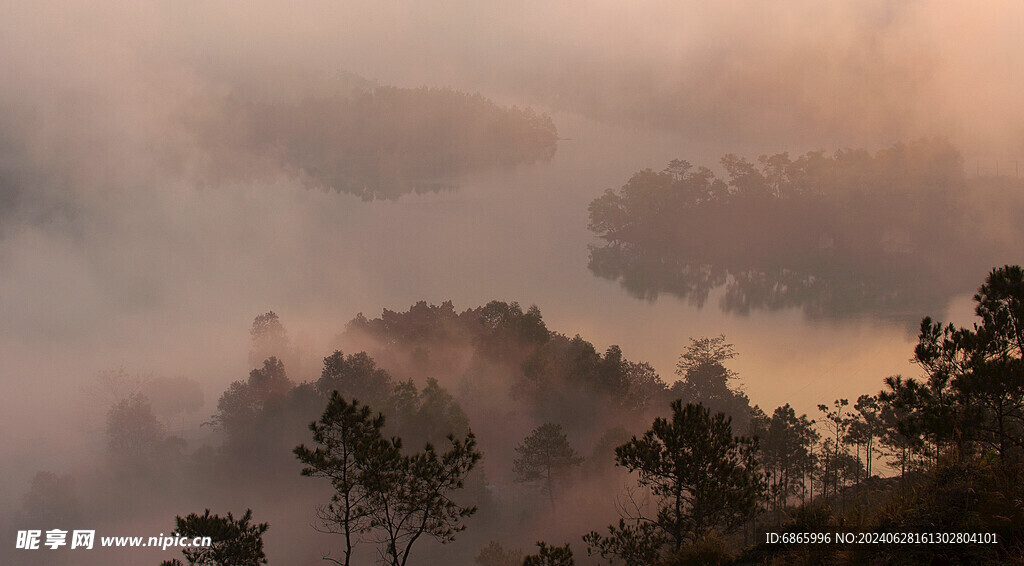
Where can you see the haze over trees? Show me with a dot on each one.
(345, 435)
(545, 458)
(705, 379)
(269, 339)
(554, 374)
(375, 142)
(786, 443)
(835, 235)
(494, 555)
(171, 170)
(703, 478)
(697, 485)
(703, 468)
(391, 497)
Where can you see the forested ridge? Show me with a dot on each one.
(695, 472)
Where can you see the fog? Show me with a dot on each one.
(142, 227)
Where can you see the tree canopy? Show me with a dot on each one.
(392, 497)
(836, 235)
(545, 458)
(704, 478)
(236, 542)
(973, 395)
(706, 380)
(377, 142)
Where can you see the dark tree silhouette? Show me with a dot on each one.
(243, 402)
(838, 425)
(355, 376)
(974, 392)
(900, 436)
(705, 478)
(550, 556)
(394, 498)
(786, 442)
(545, 458)
(236, 542)
(411, 496)
(705, 379)
(634, 543)
(865, 428)
(344, 436)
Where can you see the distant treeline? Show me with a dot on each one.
(380, 142)
(836, 235)
(500, 349)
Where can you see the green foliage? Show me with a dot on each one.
(705, 478)
(550, 556)
(236, 542)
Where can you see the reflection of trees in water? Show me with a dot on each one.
(646, 275)
(837, 236)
